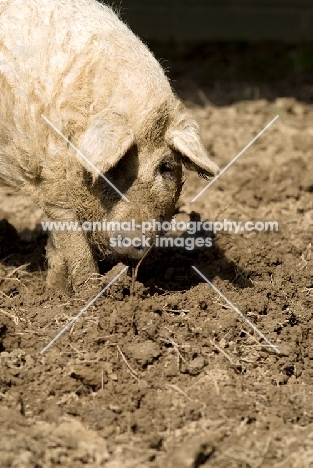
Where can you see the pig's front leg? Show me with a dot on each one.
(78, 262)
(69, 254)
(72, 258)
(57, 276)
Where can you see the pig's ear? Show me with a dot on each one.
(106, 140)
(184, 137)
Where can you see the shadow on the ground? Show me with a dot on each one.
(165, 269)
(16, 251)
(171, 269)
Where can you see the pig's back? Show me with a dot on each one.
(48, 45)
(67, 60)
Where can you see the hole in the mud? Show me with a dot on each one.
(134, 428)
(158, 311)
(3, 331)
(202, 458)
(167, 345)
(263, 312)
(156, 442)
(135, 329)
(14, 293)
(278, 329)
(293, 320)
(251, 420)
(289, 370)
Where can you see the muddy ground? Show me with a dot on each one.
(172, 376)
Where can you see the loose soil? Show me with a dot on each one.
(172, 376)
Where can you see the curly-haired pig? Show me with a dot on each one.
(82, 97)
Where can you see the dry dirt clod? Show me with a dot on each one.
(143, 353)
(92, 376)
(192, 453)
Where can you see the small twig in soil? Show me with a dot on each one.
(249, 361)
(28, 333)
(5, 295)
(177, 311)
(6, 278)
(135, 271)
(197, 382)
(210, 374)
(72, 395)
(222, 352)
(76, 350)
(235, 365)
(249, 334)
(308, 291)
(225, 306)
(305, 257)
(178, 390)
(133, 372)
(176, 347)
(58, 316)
(94, 277)
(9, 275)
(240, 275)
(13, 317)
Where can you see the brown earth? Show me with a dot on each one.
(172, 376)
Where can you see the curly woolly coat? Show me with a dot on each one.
(79, 65)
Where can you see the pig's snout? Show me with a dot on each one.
(131, 245)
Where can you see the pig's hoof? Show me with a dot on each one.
(57, 283)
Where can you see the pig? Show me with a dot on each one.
(84, 102)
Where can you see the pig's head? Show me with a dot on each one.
(145, 164)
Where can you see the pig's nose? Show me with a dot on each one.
(131, 245)
(132, 242)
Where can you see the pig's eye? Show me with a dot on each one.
(166, 168)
